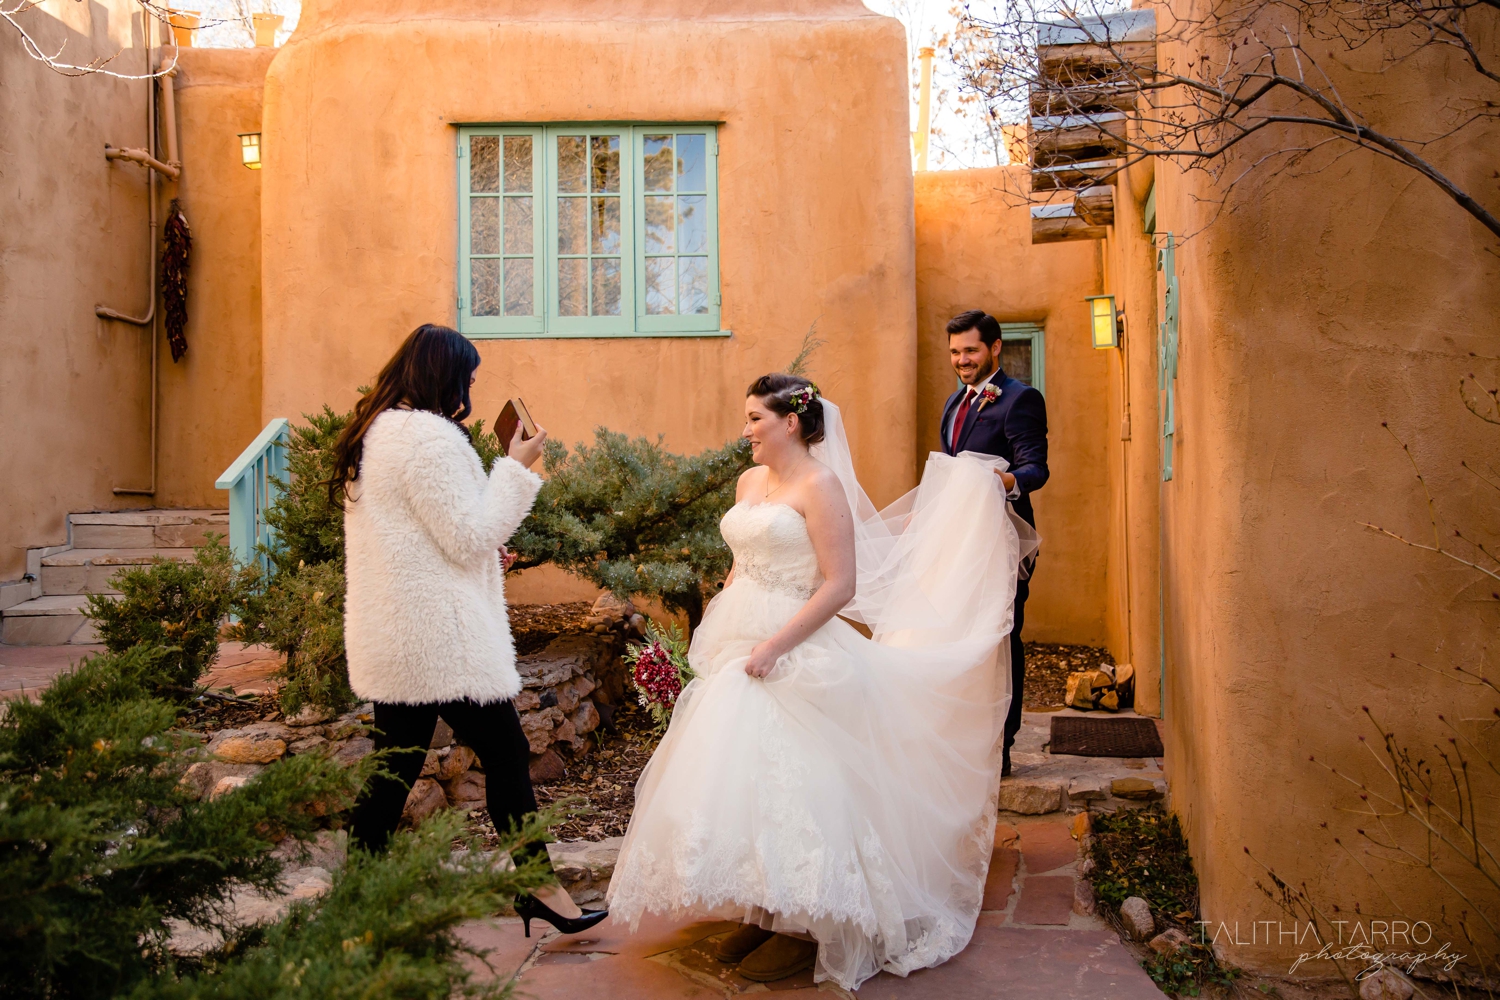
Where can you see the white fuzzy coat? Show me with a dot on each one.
(425, 617)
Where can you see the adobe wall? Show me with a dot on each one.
(210, 400)
(1326, 304)
(360, 205)
(974, 251)
(74, 389)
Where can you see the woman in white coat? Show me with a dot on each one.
(425, 623)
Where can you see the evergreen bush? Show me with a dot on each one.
(100, 842)
(631, 517)
(299, 612)
(174, 604)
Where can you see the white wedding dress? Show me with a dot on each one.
(849, 795)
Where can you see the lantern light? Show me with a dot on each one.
(250, 149)
(1104, 321)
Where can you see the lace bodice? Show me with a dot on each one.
(771, 547)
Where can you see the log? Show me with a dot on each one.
(1059, 224)
(1057, 139)
(1096, 205)
(1073, 176)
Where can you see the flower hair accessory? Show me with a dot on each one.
(802, 398)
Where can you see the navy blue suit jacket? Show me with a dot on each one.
(1013, 427)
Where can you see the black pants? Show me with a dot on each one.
(1017, 665)
(493, 731)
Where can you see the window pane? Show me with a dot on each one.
(691, 172)
(658, 162)
(484, 225)
(518, 164)
(572, 163)
(606, 287)
(661, 286)
(572, 226)
(693, 285)
(519, 282)
(518, 231)
(606, 172)
(659, 238)
(484, 163)
(484, 286)
(572, 287)
(1015, 358)
(692, 224)
(606, 225)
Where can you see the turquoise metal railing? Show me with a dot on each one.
(249, 481)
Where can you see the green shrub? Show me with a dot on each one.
(631, 517)
(299, 612)
(385, 929)
(100, 842)
(179, 605)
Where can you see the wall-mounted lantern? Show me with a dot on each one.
(250, 149)
(1104, 321)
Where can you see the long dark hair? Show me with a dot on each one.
(429, 371)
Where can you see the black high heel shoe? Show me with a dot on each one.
(529, 908)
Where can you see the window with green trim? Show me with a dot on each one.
(588, 231)
(1023, 355)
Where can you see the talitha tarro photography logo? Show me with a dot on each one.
(1367, 943)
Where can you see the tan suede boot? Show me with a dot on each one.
(781, 956)
(740, 942)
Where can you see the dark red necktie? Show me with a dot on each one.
(960, 417)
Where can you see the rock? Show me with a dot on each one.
(345, 727)
(327, 850)
(309, 715)
(201, 778)
(547, 767)
(538, 727)
(526, 701)
(442, 735)
(567, 733)
(586, 719)
(1385, 984)
(584, 867)
(257, 744)
(425, 798)
(305, 744)
(1136, 913)
(1083, 897)
(1081, 826)
(458, 760)
(1135, 788)
(355, 750)
(638, 625)
(1086, 866)
(574, 691)
(227, 784)
(430, 763)
(611, 606)
(1168, 941)
(1088, 789)
(467, 790)
(541, 671)
(1030, 798)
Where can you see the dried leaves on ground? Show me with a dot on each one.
(535, 625)
(1048, 667)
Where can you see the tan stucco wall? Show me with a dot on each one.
(1324, 304)
(74, 389)
(974, 251)
(815, 223)
(210, 400)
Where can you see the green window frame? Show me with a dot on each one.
(1016, 333)
(588, 230)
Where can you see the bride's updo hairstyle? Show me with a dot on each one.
(781, 394)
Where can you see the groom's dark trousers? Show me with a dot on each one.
(1014, 427)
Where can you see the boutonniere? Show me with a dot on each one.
(988, 394)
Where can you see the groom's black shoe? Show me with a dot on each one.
(1005, 762)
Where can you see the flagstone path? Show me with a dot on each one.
(1029, 943)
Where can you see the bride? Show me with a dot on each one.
(835, 793)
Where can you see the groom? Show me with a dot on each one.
(995, 414)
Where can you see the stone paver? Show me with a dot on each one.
(1000, 882)
(30, 669)
(1045, 899)
(1047, 845)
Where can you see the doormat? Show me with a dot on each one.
(1086, 736)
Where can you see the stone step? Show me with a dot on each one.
(89, 571)
(132, 529)
(47, 621)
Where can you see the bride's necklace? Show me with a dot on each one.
(784, 479)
